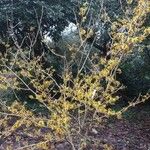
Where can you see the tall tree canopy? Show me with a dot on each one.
(52, 16)
(21, 18)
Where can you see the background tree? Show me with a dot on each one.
(21, 20)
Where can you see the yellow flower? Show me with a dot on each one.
(41, 123)
(129, 1)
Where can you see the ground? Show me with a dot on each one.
(130, 133)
